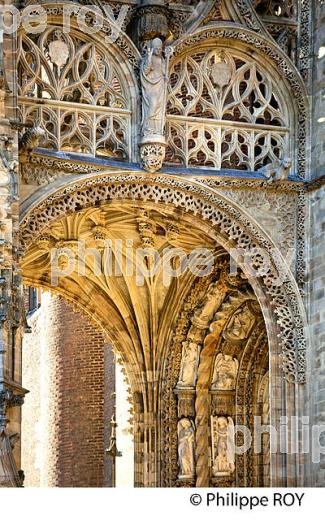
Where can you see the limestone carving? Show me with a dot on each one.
(154, 78)
(286, 69)
(152, 156)
(195, 135)
(224, 373)
(185, 430)
(189, 365)
(154, 82)
(273, 210)
(277, 171)
(32, 138)
(223, 446)
(240, 325)
(220, 72)
(59, 52)
(214, 298)
(85, 112)
(146, 229)
(284, 298)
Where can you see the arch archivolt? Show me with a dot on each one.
(149, 325)
(230, 226)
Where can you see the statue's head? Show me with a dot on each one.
(157, 46)
(222, 423)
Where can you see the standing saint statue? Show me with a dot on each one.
(153, 73)
(224, 373)
(186, 437)
(223, 446)
(189, 365)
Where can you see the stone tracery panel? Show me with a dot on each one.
(73, 89)
(279, 8)
(224, 111)
(292, 82)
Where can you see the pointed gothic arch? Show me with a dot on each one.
(220, 221)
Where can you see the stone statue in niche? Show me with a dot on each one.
(189, 365)
(240, 325)
(224, 373)
(153, 73)
(186, 438)
(223, 446)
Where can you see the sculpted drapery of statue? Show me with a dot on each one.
(240, 325)
(214, 298)
(223, 446)
(189, 365)
(154, 76)
(224, 373)
(186, 437)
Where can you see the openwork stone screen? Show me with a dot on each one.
(280, 8)
(72, 89)
(225, 112)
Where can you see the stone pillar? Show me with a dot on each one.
(11, 296)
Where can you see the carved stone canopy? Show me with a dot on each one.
(150, 20)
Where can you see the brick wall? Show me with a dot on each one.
(63, 424)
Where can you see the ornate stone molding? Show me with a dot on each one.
(190, 196)
(244, 11)
(41, 170)
(8, 399)
(152, 156)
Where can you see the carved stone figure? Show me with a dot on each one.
(154, 83)
(214, 298)
(277, 171)
(223, 446)
(224, 373)
(31, 139)
(240, 325)
(186, 437)
(189, 365)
